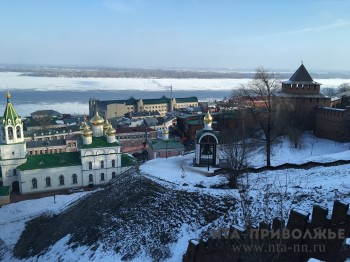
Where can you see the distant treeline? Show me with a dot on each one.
(147, 73)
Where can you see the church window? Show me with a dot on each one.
(102, 164)
(102, 177)
(10, 133)
(3, 132)
(15, 172)
(113, 174)
(34, 183)
(91, 178)
(90, 165)
(74, 179)
(61, 180)
(113, 163)
(18, 132)
(48, 181)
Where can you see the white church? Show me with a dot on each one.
(97, 161)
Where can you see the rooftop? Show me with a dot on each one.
(58, 142)
(301, 76)
(99, 142)
(4, 191)
(159, 144)
(51, 160)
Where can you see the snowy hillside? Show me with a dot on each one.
(153, 214)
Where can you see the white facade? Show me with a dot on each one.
(49, 179)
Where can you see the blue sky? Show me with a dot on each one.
(177, 34)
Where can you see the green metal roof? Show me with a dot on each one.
(195, 122)
(10, 113)
(4, 191)
(51, 160)
(99, 142)
(159, 144)
(127, 160)
(191, 99)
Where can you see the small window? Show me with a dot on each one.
(113, 163)
(34, 183)
(15, 172)
(102, 164)
(113, 174)
(90, 165)
(61, 180)
(48, 181)
(102, 177)
(74, 179)
(91, 178)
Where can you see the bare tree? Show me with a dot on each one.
(344, 87)
(329, 91)
(237, 149)
(260, 97)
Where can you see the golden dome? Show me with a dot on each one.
(111, 131)
(87, 131)
(208, 118)
(8, 95)
(106, 125)
(97, 120)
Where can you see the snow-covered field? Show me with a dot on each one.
(302, 188)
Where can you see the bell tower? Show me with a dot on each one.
(12, 146)
(11, 125)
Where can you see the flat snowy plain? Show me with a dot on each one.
(34, 87)
(320, 185)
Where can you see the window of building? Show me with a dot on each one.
(102, 164)
(34, 183)
(10, 133)
(113, 163)
(74, 179)
(18, 132)
(90, 165)
(61, 180)
(102, 176)
(48, 181)
(113, 174)
(15, 172)
(91, 178)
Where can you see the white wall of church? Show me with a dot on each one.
(26, 179)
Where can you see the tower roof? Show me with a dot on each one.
(208, 119)
(97, 120)
(301, 76)
(10, 113)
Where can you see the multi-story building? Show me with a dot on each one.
(117, 108)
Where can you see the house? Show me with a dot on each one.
(164, 147)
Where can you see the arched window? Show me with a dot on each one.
(113, 174)
(113, 163)
(90, 165)
(34, 183)
(102, 176)
(61, 180)
(18, 132)
(10, 132)
(74, 179)
(102, 164)
(91, 178)
(48, 181)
